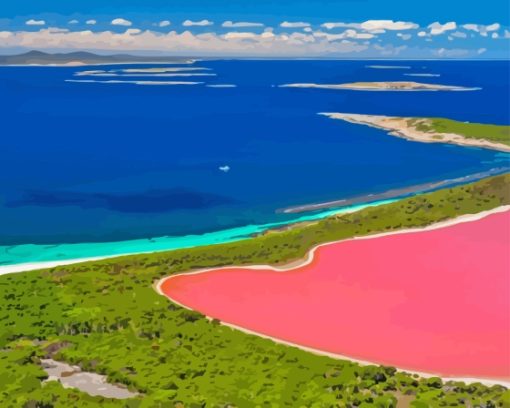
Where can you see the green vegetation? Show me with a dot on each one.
(106, 317)
(491, 133)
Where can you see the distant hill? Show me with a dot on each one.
(80, 58)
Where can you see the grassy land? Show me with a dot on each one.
(492, 133)
(107, 317)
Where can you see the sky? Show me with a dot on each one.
(294, 28)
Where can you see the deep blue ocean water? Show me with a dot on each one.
(91, 162)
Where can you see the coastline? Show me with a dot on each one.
(397, 193)
(399, 126)
(110, 250)
(309, 258)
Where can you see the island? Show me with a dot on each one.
(81, 58)
(435, 130)
(383, 86)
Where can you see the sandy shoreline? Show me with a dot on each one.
(37, 265)
(400, 127)
(309, 258)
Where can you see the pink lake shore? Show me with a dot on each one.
(434, 301)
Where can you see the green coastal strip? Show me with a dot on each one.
(493, 133)
(107, 317)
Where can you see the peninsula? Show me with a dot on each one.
(435, 130)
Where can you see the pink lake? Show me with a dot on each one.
(435, 301)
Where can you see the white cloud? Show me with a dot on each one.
(237, 35)
(240, 24)
(297, 24)
(495, 35)
(482, 29)
(164, 23)
(371, 25)
(91, 22)
(350, 33)
(55, 30)
(459, 34)
(493, 27)
(73, 22)
(121, 22)
(438, 28)
(266, 43)
(35, 22)
(422, 34)
(404, 37)
(201, 23)
(507, 34)
(330, 26)
(471, 27)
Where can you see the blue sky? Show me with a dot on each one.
(422, 11)
(346, 28)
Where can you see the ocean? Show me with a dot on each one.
(92, 169)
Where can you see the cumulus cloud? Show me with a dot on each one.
(292, 39)
(347, 34)
(240, 24)
(459, 34)
(438, 28)
(201, 23)
(330, 26)
(73, 22)
(404, 37)
(493, 27)
(371, 25)
(297, 24)
(234, 43)
(121, 22)
(471, 27)
(481, 29)
(239, 35)
(33, 22)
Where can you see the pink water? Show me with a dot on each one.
(436, 301)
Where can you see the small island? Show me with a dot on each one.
(383, 86)
(435, 130)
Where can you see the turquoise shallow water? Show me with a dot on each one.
(32, 253)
